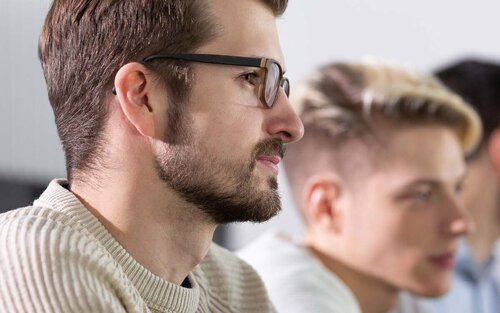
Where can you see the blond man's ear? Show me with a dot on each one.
(321, 209)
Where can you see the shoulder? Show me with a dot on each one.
(270, 249)
(296, 280)
(43, 230)
(279, 260)
(48, 264)
(230, 282)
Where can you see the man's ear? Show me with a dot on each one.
(494, 150)
(133, 89)
(321, 206)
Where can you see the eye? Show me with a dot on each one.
(422, 196)
(252, 78)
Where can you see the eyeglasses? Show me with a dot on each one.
(271, 77)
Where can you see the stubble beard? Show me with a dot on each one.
(226, 191)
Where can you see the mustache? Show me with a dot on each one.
(271, 146)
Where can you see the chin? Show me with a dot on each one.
(429, 290)
(268, 183)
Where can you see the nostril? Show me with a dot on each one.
(285, 136)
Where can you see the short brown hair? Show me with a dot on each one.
(339, 101)
(83, 43)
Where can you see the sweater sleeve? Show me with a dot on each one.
(46, 266)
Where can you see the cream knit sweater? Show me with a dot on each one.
(55, 256)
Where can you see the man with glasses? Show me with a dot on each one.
(173, 116)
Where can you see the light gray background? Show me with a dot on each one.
(419, 34)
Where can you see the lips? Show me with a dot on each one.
(269, 153)
(444, 260)
(271, 162)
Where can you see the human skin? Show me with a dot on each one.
(156, 225)
(482, 197)
(397, 226)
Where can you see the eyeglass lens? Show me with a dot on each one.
(272, 84)
(286, 85)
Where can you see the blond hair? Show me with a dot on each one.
(338, 105)
(342, 98)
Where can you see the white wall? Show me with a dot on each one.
(420, 34)
(29, 147)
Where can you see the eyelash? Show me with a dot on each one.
(423, 196)
(426, 196)
(251, 78)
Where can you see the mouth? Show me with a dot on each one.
(270, 162)
(443, 260)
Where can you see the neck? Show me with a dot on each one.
(483, 201)
(158, 229)
(483, 238)
(373, 295)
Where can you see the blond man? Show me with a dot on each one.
(377, 178)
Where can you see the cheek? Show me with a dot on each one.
(403, 254)
(229, 132)
(393, 245)
(225, 119)
(373, 220)
(394, 242)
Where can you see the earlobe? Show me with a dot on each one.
(132, 91)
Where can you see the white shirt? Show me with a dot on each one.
(298, 282)
(295, 279)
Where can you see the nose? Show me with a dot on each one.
(458, 221)
(283, 123)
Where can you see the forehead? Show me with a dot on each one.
(421, 152)
(247, 28)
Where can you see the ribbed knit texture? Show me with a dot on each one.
(55, 256)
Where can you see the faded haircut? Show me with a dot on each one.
(339, 102)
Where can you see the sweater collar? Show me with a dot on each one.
(158, 293)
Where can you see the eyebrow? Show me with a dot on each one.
(423, 181)
(434, 183)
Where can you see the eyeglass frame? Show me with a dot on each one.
(262, 63)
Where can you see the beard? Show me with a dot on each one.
(225, 190)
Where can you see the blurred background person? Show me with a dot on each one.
(476, 280)
(377, 177)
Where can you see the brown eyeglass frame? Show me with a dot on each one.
(262, 63)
